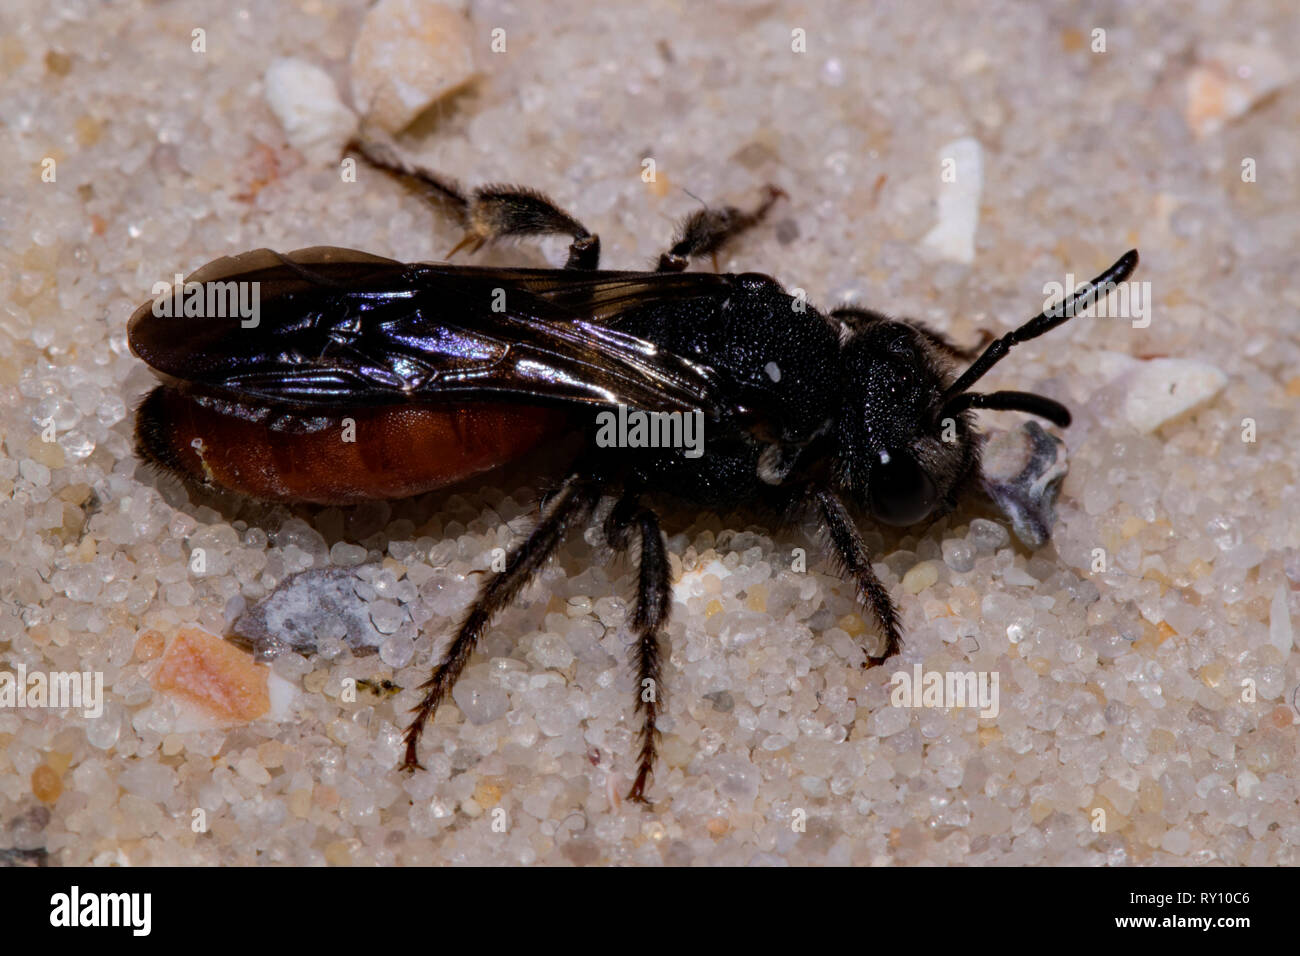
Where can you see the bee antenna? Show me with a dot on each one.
(1044, 322)
(1033, 404)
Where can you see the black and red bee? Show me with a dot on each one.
(443, 371)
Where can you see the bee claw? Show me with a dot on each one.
(637, 793)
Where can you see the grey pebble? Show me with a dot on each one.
(309, 607)
(1023, 471)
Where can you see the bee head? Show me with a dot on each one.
(898, 456)
(905, 441)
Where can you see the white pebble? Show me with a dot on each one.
(1176, 842)
(1229, 80)
(290, 666)
(920, 577)
(103, 731)
(33, 471)
(304, 99)
(386, 616)
(735, 777)
(347, 555)
(479, 701)
(1017, 576)
(1246, 784)
(1280, 634)
(408, 55)
(987, 536)
(550, 651)
(888, 721)
(815, 787)
(153, 782)
(252, 771)
(961, 167)
(397, 651)
(958, 554)
(1164, 388)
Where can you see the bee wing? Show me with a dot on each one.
(323, 326)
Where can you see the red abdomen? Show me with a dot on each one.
(386, 451)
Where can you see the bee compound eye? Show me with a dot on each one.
(901, 492)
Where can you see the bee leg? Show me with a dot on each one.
(569, 508)
(499, 211)
(706, 231)
(852, 554)
(440, 191)
(653, 601)
(489, 212)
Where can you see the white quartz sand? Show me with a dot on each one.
(1144, 658)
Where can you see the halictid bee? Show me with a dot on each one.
(443, 371)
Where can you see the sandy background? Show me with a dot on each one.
(1158, 691)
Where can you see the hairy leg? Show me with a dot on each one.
(708, 230)
(852, 554)
(568, 509)
(653, 601)
(489, 212)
